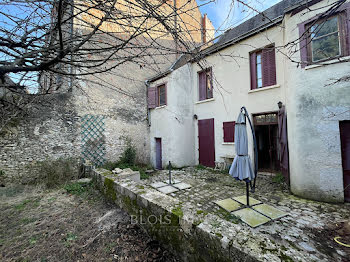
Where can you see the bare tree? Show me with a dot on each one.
(77, 38)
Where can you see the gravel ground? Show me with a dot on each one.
(73, 225)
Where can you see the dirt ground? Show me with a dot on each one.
(76, 225)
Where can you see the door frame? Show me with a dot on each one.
(269, 124)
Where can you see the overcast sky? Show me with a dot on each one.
(218, 11)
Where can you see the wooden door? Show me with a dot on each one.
(206, 141)
(158, 153)
(344, 127)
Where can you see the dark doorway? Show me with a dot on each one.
(266, 131)
(158, 153)
(206, 141)
(344, 127)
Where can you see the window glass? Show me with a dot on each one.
(325, 39)
(161, 95)
(258, 70)
(209, 85)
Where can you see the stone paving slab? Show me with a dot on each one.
(251, 217)
(158, 184)
(167, 189)
(243, 200)
(228, 204)
(270, 211)
(182, 186)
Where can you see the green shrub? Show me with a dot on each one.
(53, 173)
(129, 155)
(75, 188)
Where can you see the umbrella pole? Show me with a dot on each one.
(247, 192)
(169, 173)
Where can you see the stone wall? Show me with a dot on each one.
(184, 232)
(48, 130)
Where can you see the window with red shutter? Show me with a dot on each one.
(263, 68)
(229, 131)
(205, 84)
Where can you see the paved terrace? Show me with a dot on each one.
(305, 234)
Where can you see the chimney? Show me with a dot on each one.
(204, 28)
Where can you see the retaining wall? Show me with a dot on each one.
(192, 236)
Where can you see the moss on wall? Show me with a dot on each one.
(109, 189)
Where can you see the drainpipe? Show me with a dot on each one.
(148, 110)
(71, 40)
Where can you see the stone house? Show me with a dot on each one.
(284, 64)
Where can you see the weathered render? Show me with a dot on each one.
(316, 104)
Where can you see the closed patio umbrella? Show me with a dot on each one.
(241, 167)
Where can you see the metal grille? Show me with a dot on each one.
(93, 139)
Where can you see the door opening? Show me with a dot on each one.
(158, 153)
(344, 127)
(266, 131)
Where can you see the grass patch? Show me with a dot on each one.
(178, 211)
(70, 237)
(27, 220)
(11, 191)
(33, 240)
(33, 202)
(278, 178)
(85, 191)
(200, 167)
(75, 188)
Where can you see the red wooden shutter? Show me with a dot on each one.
(268, 64)
(202, 85)
(253, 71)
(344, 32)
(229, 131)
(347, 31)
(303, 45)
(152, 97)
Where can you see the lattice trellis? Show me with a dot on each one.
(93, 139)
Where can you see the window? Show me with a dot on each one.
(229, 131)
(323, 39)
(157, 96)
(263, 68)
(205, 84)
(161, 95)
